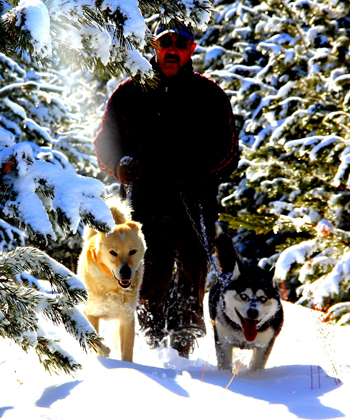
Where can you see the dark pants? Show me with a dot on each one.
(172, 292)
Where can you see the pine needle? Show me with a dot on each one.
(205, 367)
(206, 363)
(233, 376)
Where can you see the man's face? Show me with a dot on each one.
(172, 52)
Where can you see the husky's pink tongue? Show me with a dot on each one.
(249, 330)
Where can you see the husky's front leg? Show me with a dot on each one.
(260, 356)
(224, 355)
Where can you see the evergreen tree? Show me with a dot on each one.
(285, 65)
(95, 34)
(42, 199)
(27, 304)
(49, 186)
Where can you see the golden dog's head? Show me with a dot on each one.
(120, 254)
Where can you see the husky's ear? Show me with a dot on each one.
(274, 280)
(268, 272)
(236, 273)
(226, 254)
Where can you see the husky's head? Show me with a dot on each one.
(250, 299)
(249, 296)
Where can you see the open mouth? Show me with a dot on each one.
(124, 283)
(172, 59)
(249, 326)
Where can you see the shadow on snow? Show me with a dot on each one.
(291, 386)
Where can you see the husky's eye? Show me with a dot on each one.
(244, 296)
(133, 252)
(263, 299)
(113, 253)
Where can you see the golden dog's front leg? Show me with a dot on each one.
(101, 351)
(94, 321)
(127, 338)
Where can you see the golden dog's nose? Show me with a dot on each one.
(125, 273)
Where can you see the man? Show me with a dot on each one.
(171, 145)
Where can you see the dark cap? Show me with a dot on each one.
(176, 27)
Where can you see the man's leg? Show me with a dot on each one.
(158, 273)
(185, 318)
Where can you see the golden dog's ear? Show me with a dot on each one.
(134, 225)
(137, 227)
(93, 246)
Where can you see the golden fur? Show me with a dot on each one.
(111, 267)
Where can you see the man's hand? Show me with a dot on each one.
(127, 170)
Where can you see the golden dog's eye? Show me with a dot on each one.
(113, 253)
(244, 296)
(133, 252)
(263, 299)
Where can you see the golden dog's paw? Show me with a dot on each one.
(103, 351)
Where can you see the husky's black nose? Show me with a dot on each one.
(252, 313)
(125, 272)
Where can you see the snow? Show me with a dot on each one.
(160, 383)
(301, 380)
(213, 54)
(331, 283)
(134, 25)
(37, 23)
(294, 254)
(342, 171)
(55, 24)
(82, 198)
(136, 63)
(324, 228)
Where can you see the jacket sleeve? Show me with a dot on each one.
(225, 138)
(111, 140)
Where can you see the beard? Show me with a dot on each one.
(172, 58)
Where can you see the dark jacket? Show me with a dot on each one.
(182, 131)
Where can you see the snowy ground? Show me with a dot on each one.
(161, 385)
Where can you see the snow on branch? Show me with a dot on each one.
(340, 311)
(26, 309)
(315, 143)
(329, 285)
(72, 197)
(294, 254)
(299, 116)
(9, 235)
(342, 175)
(110, 33)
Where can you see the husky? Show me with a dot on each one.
(244, 306)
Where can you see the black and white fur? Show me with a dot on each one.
(245, 308)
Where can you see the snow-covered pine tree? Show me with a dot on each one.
(45, 148)
(42, 197)
(27, 304)
(95, 34)
(42, 107)
(285, 65)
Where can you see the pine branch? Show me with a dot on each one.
(53, 358)
(259, 224)
(23, 305)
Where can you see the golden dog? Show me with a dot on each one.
(111, 267)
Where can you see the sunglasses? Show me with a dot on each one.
(167, 41)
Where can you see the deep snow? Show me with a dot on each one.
(161, 385)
